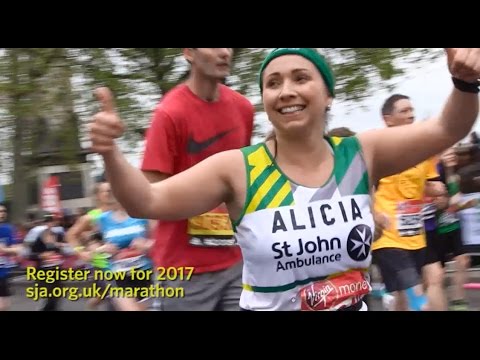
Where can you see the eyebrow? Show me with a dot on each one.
(293, 71)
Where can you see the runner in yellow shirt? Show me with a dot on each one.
(400, 251)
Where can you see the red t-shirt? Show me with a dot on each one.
(184, 131)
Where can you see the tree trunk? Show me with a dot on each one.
(19, 200)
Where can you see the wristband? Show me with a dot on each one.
(467, 87)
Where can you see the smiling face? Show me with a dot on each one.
(294, 95)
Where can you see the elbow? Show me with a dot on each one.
(140, 205)
(136, 213)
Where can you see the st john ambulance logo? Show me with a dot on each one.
(359, 242)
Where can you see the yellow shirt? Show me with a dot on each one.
(400, 197)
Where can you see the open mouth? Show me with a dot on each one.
(289, 110)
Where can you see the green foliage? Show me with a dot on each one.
(140, 76)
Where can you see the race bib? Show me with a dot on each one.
(53, 261)
(429, 209)
(409, 218)
(336, 293)
(128, 264)
(212, 229)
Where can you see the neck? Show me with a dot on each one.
(204, 87)
(120, 213)
(307, 152)
(105, 208)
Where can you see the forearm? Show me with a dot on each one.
(14, 249)
(459, 114)
(129, 185)
(8, 250)
(73, 236)
(143, 245)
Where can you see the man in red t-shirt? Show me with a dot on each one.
(195, 120)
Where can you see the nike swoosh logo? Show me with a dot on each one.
(195, 147)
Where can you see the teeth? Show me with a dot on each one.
(291, 109)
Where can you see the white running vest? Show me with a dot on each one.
(305, 248)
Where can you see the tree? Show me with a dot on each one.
(36, 84)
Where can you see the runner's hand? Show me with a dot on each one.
(140, 244)
(449, 158)
(106, 125)
(381, 223)
(464, 63)
(441, 202)
(108, 248)
(435, 188)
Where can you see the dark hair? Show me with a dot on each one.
(341, 132)
(389, 104)
(474, 138)
(271, 135)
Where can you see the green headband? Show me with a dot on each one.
(308, 53)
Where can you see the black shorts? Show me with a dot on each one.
(5, 287)
(134, 284)
(444, 247)
(400, 269)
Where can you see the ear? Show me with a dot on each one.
(329, 104)
(388, 120)
(188, 54)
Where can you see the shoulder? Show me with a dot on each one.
(6, 227)
(171, 105)
(429, 163)
(225, 162)
(238, 98)
(171, 98)
(254, 150)
(430, 166)
(104, 216)
(224, 157)
(33, 234)
(93, 215)
(342, 145)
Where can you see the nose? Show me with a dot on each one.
(225, 53)
(287, 91)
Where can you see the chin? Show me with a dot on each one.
(221, 76)
(296, 128)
